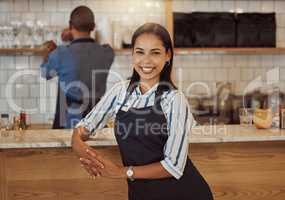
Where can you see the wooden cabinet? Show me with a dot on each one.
(235, 171)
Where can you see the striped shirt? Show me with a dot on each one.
(175, 107)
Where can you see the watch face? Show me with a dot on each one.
(130, 172)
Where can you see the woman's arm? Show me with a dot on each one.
(78, 141)
(107, 168)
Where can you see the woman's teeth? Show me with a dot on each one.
(147, 69)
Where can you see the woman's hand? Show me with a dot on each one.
(97, 165)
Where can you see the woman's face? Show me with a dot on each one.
(149, 58)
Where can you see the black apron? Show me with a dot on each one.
(141, 135)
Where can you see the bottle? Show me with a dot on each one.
(23, 120)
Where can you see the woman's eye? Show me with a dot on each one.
(156, 53)
(139, 52)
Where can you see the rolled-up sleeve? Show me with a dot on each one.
(179, 122)
(103, 111)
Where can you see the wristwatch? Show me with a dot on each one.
(130, 173)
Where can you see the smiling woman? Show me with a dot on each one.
(152, 124)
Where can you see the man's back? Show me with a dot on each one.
(82, 68)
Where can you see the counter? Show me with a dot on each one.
(201, 134)
(239, 163)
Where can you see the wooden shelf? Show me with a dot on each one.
(21, 51)
(178, 51)
(181, 51)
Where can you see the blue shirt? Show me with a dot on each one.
(74, 64)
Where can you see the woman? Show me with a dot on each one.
(152, 123)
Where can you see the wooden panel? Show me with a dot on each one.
(235, 171)
(169, 17)
(3, 183)
(239, 171)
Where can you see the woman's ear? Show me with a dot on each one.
(168, 55)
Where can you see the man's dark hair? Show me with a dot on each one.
(82, 19)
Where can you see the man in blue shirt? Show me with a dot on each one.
(82, 68)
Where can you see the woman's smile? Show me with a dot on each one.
(147, 69)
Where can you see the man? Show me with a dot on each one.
(82, 68)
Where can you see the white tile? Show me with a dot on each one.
(279, 60)
(221, 74)
(282, 74)
(21, 5)
(241, 6)
(215, 60)
(4, 18)
(254, 6)
(29, 17)
(37, 118)
(279, 6)
(29, 79)
(177, 62)
(247, 74)
(3, 106)
(35, 90)
(234, 74)
(36, 5)
(228, 5)
(280, 20)
(22, 90)
(188, 61)
(280, 37)
(15, 75)
(6, 6)
(35, 62)
(273, 75)
(194, 75)
(58, 19)
(51, 105)
(189, 5)
(208, 74)
(267, 61)
(178, 6)
(215, 5)
(2, 90)
(259, 73)
(268, 6)
(97, 6)
(50, 5)
(76, 3)
(31, 104)
(3, 76)
(44, 17)
(52, 89)
(254, 61)
(202, 61)
(8, 62)
(241, 61)
(202, 5)
(228, 61)
(22, 62)
(64, 6)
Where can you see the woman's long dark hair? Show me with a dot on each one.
(165, 82)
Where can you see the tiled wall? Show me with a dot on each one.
(206, 69)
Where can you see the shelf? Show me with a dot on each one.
(186, 51)
(21, 51)
(178, 51)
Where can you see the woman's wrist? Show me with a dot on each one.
(123, 172)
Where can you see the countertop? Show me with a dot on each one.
(49, 138)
